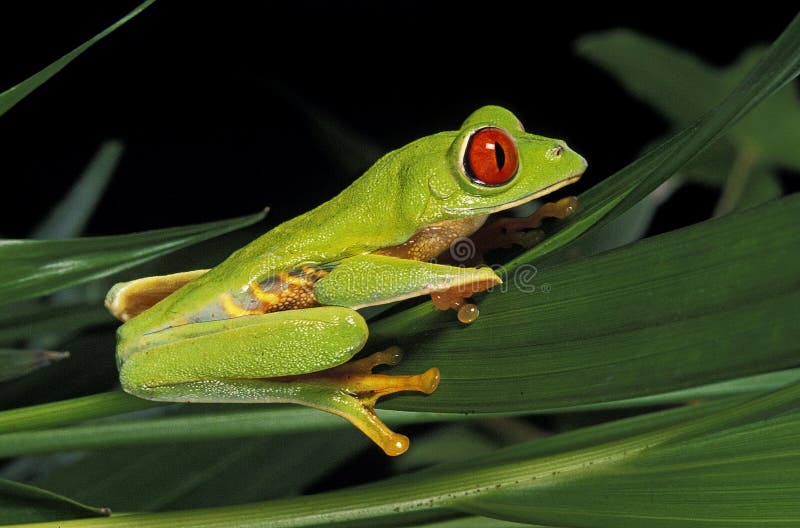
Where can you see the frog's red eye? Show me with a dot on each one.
(491, 157)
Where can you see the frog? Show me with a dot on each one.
(279, 320)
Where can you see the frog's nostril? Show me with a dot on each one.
(555, 152)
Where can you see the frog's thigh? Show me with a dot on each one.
(366, 280)
(257, 346)
(217, 375)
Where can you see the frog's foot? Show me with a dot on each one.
(357, 390)
(456, 298)
(507, 232)
(126, 300)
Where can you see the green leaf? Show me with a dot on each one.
(740, 474)
(625, 348)
(70, 411)
(681, 86)
(217, 424)
(616, 194)
(16, 93)
(15, 363)
(589, 331)
(693, 456)
(627, 227)
(69, 217)
(771, 381)
(476, 522)
(20, 503)
(445, 444)
(32, 268)
(268, 420)
(203, 474)
(675, 82)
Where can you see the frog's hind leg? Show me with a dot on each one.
(296, 356)
(349, 390)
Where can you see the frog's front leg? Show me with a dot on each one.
(506, 232)
(294, 356)
(367, 280)
(501, 233)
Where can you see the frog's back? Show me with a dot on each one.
(277, 271)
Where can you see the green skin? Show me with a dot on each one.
(162, 356)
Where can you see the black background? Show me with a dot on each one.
(194, 89)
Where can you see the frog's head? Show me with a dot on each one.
(492, 164)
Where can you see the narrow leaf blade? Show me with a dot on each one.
(69, 217)
(16, 93)
(20, 503)
(32, 268)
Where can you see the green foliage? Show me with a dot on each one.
(21, 503)
(32, 268)
(681, 87)
(69, 217)
(627, 345)
(707, 311)
(16, 93)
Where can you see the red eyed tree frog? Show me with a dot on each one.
(278, 322)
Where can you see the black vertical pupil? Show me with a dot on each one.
(499, 155)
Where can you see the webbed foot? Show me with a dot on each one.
(352, 391)
(524, 231)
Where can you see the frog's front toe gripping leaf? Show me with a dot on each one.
(351, 391)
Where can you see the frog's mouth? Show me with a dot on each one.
(525, 199)
(547, 190)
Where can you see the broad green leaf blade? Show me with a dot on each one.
(619, 192)
(507, 483)
(32, 268)
(675, 82)
(203, 474)
(15, 363)
(742, 476)
(681, 86)
(20, 503)
(588, 331)
(69, 217)
(16, 93)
